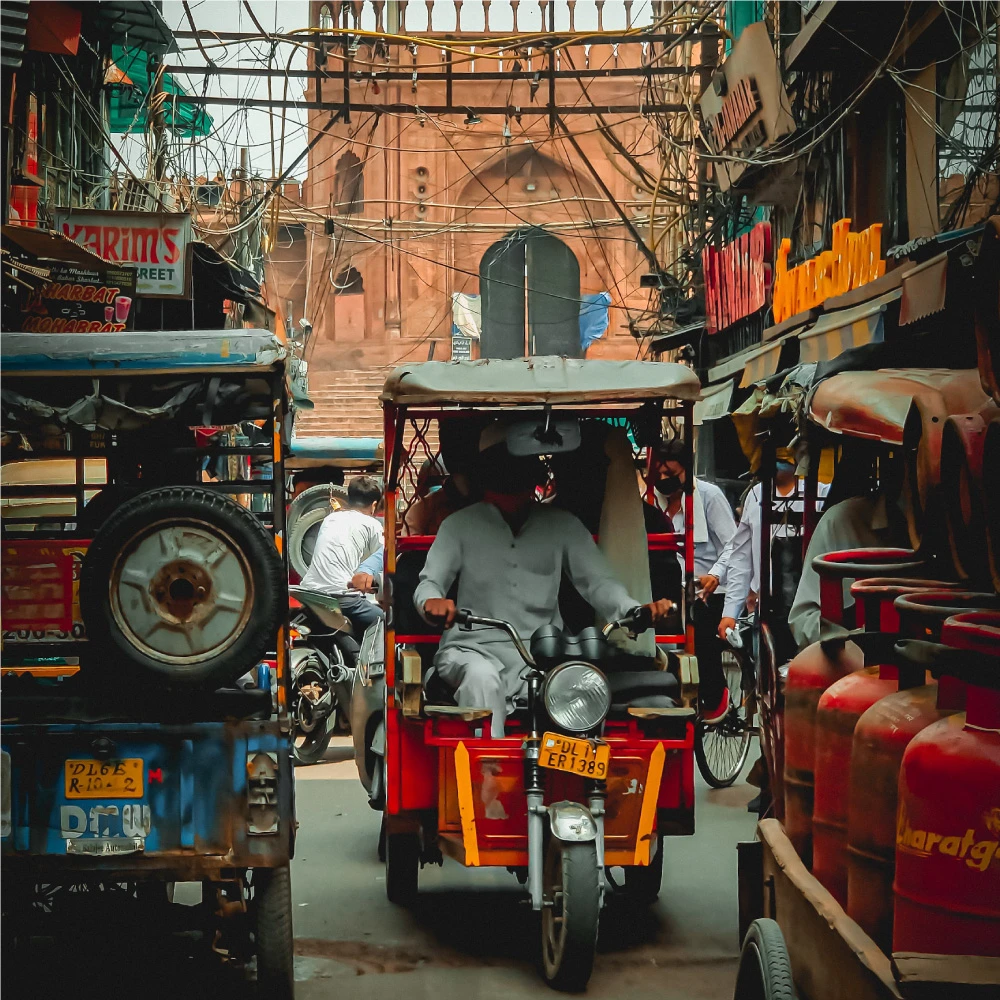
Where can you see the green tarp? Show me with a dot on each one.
(128, 102)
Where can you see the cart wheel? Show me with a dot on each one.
(381, 840)
(721, 751)
(570, 912)
(275, 947)
(642, 882)
(765, 971)
(402, 863)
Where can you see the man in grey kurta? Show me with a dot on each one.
(508, 554)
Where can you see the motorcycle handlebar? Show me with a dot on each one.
(637, 620)
(466, 619)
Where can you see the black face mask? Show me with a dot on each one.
(669, 484)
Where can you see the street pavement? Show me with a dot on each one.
(468, 935)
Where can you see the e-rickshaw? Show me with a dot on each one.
(802, 936)
(142, 744)
(563, 803)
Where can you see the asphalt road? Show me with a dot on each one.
(468, 936)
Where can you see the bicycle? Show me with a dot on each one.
(722, 750)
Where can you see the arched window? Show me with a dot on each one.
(325, 18)
(348, 282)
(349, 185)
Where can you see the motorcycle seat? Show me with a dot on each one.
(643, 689)
(550, 646)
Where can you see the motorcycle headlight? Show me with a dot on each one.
(577, 696)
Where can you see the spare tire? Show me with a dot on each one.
(305, 514)
(184, 586)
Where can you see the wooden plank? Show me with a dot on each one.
(832, 957)
(957, 977)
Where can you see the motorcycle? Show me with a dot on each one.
(323, 667)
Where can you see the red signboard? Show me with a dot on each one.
(737, 277)
(37, 586)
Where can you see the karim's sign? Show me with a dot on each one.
(156, 243)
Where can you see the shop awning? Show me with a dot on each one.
(46, 245)
(714, 403)
(839, 331)
(924, 290)
(129, 103)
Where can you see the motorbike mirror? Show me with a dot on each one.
(543, 437)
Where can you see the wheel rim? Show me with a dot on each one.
(181, 590)
(725, 746)
(553, 914)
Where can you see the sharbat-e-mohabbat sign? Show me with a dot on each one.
(156, 243)
(78, 300)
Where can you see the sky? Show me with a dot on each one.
(252, 128)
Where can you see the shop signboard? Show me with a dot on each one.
(854, 260)
(737, 278)
(745, 108)
(78, 300)
(155, 242)
(461, 347)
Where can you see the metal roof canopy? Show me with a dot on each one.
(134, 20)
(874, 405)
(48, 245)
(540, 380)
(139, 352)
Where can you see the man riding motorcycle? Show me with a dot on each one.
(508, 554)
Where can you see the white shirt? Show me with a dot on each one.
(516, 577)
(346, 539)
(743, 556)
(714, 525)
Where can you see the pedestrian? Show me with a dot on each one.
(346, 538)
(714, 525)
(743, 563)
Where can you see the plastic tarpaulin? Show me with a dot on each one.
(128, 103)
(593, 317)
(466, 315)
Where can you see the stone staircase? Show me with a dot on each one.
(346, 404)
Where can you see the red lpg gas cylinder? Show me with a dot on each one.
(818, 666)
(880, 737)
(843, 704)
(947, 886)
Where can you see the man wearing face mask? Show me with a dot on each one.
(714, 526)
(508, 553)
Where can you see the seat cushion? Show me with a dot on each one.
(643, 688)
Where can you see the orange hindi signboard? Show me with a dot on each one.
(856, 259)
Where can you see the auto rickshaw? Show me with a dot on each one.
(575, 804)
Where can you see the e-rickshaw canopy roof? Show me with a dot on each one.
(139, 352)
(338, 451)
(874, 405)
(539, 380)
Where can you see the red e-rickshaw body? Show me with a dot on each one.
(446, 777)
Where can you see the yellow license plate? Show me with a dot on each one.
(584, 757)
(105, 779)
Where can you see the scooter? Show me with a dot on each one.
(323, 667)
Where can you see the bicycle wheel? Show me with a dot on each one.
(721, 751)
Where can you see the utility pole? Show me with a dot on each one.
(157, 127)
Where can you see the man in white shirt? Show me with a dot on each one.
(348, 537)
(743, 570)
(508, 554)
(714, 525)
